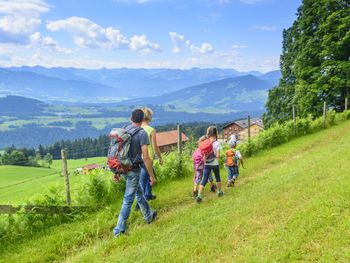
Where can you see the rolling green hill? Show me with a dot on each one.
(290, 204)
(19, 183)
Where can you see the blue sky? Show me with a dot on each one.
(240, 34)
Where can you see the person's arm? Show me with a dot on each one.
(148, 164)
(155, 146)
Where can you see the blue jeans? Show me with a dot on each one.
(207, 173)
(233, 172)
(146, 184)
(132, 188)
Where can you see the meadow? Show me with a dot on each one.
(18, 184)
(290, 204)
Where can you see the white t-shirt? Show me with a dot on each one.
(216, 148)
(238, 154)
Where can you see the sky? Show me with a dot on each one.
(241, 34)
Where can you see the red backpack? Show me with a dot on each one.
(118, 159)
(206, 148)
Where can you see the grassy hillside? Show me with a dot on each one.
(290, 204)
(18, 183)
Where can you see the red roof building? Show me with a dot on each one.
(167, 140)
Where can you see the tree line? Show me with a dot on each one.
(315, 62)
(25, 157)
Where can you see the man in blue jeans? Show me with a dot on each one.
(139, 154)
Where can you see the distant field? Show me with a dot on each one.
(53, 122)
(18, 183)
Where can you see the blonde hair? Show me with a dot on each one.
(212, 131)
(147, 114)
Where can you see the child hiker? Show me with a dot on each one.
(232, 162)
(198, 166)
(210, 147)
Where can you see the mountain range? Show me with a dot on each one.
(244, 93)
(110, 85)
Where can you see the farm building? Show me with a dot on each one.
(90, 167)
(240, 128)
(167, 140)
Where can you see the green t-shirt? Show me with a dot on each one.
(149, 130)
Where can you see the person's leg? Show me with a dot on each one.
(196, 182)
(216, 170)
(132, 184)
(206, 172)
(145, 184)
(148, 215)
(235, 172)
(230, 176)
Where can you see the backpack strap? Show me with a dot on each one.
(132, 134)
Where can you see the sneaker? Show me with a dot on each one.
(153, 217)
(233, 182)
(221, 193)
(199, 199)
(229, 183)
(213, 188)
(118, 234)
(195, 193)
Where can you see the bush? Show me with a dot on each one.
(99, 189)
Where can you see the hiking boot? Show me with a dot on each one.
(195, 193)
(213, 188)
(199, 199)
(221, 193)
(152, 197)
(153, 217)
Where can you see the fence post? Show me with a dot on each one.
(248, 128)
(324, 115)
(179, 146)
(65, 175)
(179, 138)
(294, 121)
(346, 103)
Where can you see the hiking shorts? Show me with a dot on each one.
(207, 172)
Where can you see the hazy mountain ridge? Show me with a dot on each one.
(92, 85)
(244, 93)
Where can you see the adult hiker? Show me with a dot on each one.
(211, 148)
(152, 150)
(138, 152)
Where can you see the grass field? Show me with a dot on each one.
(291, 204)
(47, 121)
(19, 183)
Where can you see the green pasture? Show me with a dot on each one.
(18, 184)
(46, 121)
(290, 204)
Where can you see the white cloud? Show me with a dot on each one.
(88, 34)
(180, 42)
(218, 2)
(20, 18)
(134, 1)
(265, 27)
(252, 2)
(238, 46)
(205, 48)
(142, 44)
(36, 40)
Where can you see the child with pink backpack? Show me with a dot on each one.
(198, 166)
